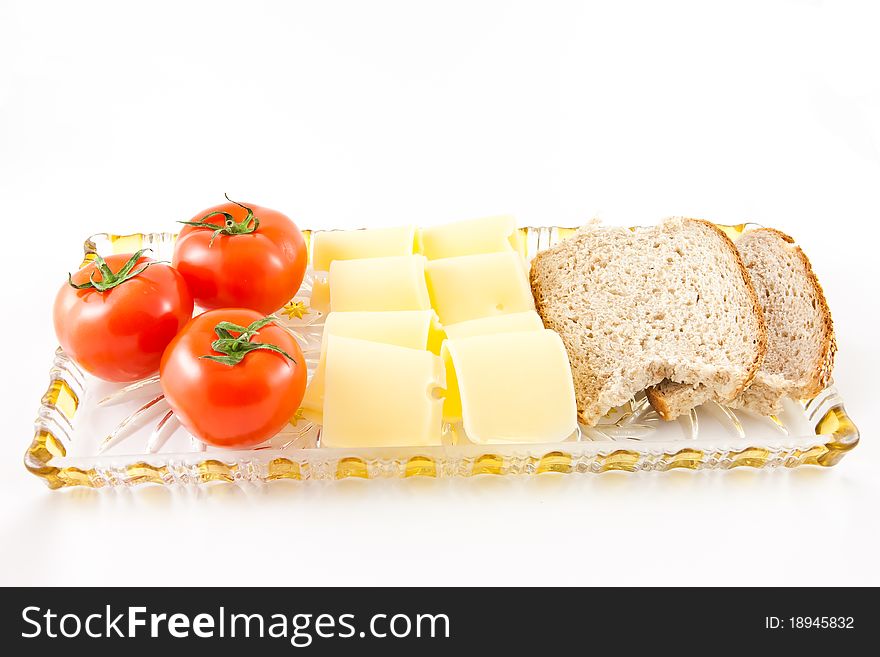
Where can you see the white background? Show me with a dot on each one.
(126, 117)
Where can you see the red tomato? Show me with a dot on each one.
(233, 405)
(240, 256)
(120, 333)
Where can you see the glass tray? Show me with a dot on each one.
(97, 434)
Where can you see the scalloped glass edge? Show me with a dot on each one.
(835, 435)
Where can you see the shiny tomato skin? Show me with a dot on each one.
(120, 334)
(262, 270)
(232, 406)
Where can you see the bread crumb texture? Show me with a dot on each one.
(801, 344)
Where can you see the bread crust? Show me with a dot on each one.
(821, 371)
(825, 363)
(658, 403)
(656, 397)
(756, 305)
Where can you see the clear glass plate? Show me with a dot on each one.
(97, 434)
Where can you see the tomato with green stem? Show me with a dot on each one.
(233, 377)
(235, 255)
(115, 317)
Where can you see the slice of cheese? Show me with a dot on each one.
(392, 283)
(520, 242)
(475, 286)
(404, 328)
(487, 235)
(414, 329)
(333, 245)
(513, 387)
(312, 405)
(510, 323)
(320, 299)
(379, 395)
(452, 400)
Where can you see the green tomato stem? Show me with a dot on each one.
(109, 278)
(234, 349)
(230, 227)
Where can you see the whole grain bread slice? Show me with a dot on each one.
(801, 344)
(635, 307)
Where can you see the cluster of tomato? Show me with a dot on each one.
(231, 375)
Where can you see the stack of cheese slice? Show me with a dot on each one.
(430, 326)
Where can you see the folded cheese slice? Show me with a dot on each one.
(475, 286)
(452, 410)
(381, 395)
(510, 387)
(320, 299)
(332, 245)
(469, 237)
(510, 323)
(414, 329)
(391, 283)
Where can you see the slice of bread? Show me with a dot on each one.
(801, 344)
(635, 307)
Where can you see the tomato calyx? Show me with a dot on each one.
(234, 349)
(109, 278)
(231, 227)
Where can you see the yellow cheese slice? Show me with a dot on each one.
(513, 387)
(452, 400)
(415, 329)
(476, 286)
(404, 328)
(487, 235)
(320, 299)
(312, 405)
(392, 283)
(520, 243)
(510, 323)
(381, 395)
(333, 245)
